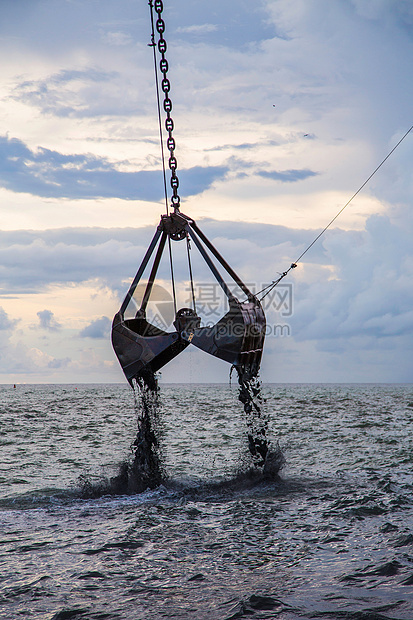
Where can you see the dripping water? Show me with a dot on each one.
(143, 470)
(263, 454)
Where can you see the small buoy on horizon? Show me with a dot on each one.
(14, 385)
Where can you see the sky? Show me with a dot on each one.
(282, 109)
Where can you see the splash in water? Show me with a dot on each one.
(144, 469)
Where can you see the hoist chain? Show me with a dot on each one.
(167, 105)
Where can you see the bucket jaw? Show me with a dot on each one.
(238, 338)
(142, 348)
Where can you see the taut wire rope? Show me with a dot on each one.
(188, 250)
(274, 283)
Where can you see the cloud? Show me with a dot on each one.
(47, 173)
(31, 261)
(246, 146)
(346, 286)
(197, 29)
(236, 24)
(100, 328)
(42, 361)
(397, 10)
(319, 69)
(352, 292)
(17, 358)
(247, 167)
(47, 320)
(46, 25)
(117, 38)
(287, 176)
(6, 324)
(368, 296)
(69, 93)
(57, 364)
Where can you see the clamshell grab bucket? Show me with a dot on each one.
(237, 338)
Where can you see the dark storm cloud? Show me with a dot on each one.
(50, 174)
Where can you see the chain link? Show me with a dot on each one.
(167, 106)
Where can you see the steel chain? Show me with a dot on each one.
(167, 106)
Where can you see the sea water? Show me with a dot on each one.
(331, 537)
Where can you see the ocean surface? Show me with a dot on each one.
(330, 537)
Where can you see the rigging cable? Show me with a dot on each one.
(274, 283)
(188, 250)
(153, 45)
